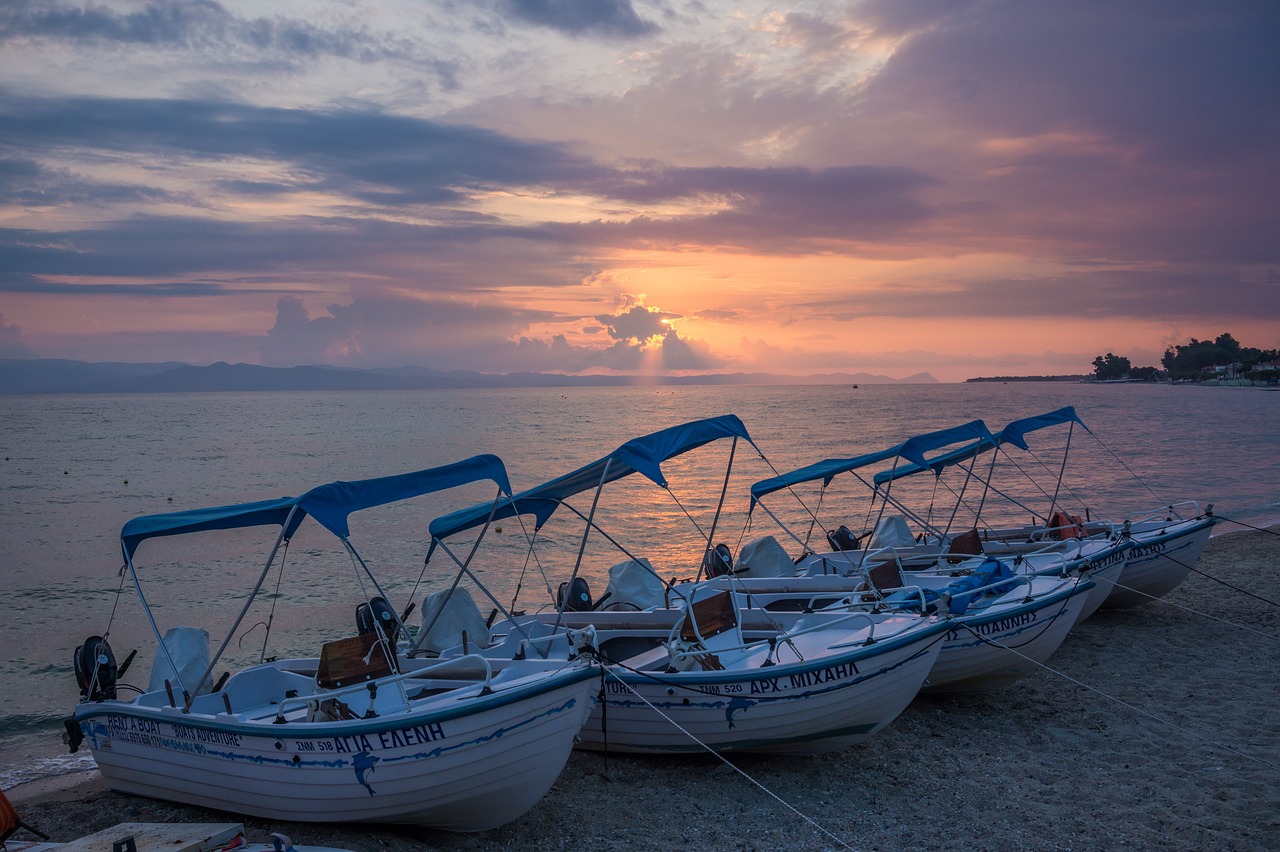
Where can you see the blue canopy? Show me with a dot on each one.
(912, 449)
(642, 455)
(328, 504)
(1013, 433)
(262, 513)
(331, 504)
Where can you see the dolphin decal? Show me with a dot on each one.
(735, 705)
(363, 762)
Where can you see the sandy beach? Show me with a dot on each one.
(1157, 727)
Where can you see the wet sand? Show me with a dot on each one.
(1157, 727)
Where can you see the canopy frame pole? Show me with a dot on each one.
(226, 640)
(813, 519)
(475, 546)
(786, 529)
(586, 533)
(463, 569)
(955, 509)
(724, 489)
(1062, 469)
(886, 500)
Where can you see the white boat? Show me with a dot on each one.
(1161, 555)
(707, 673)
(1163, 544)
(776, 683)
(360, 733)
(1001, 632)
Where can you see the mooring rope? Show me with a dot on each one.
(1247, 526)
(810, 820)
(1194, 611)
(1124, 703)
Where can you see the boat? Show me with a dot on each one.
(702, 669)
(367, 731)
(1163, 544)
(1006, 616)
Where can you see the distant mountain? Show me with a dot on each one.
(46, 375)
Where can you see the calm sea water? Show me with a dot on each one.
(75, 468)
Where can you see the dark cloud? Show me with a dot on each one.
(26, 182)
(371, 155)
(197, 26)
(637, 323)
(607, 18)
(442, 258)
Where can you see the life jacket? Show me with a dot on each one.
(1064, 526)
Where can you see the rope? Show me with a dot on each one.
(810, 820)
(1200, 613)
(1247, 526)
(1225, 583)
(1126, 704)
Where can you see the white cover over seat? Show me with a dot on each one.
(189, 649)
(633, 584)
(892, 531)
(457, 613)
(764, 557)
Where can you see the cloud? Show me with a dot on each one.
(1104, 294)
(605, 18)
(196, 27)
(383, 329)
(367, 154)
(638, 323)
(11, 345)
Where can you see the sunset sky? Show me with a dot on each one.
(639, 186)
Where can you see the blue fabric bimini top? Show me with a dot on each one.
(912, 450)
(1013, 433)
(643, 455)
(329, 504)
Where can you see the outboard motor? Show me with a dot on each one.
(96, 671)
(574, 596)
(718, 561)
(379, 611)
(842, 538)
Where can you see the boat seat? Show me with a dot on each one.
(885, 576)
(964, 546)
(711, 625)
(355, 659)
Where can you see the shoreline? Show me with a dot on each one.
(1154, 727)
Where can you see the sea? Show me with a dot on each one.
(76, 467)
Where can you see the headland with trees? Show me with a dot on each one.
(1223, 360)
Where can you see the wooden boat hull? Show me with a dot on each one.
(450, 768)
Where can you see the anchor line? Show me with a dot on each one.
(810, 820)
(1126, 704)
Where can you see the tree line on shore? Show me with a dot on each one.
(1194, 361)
